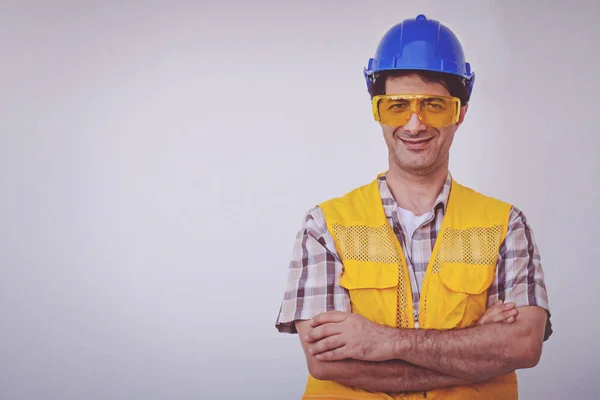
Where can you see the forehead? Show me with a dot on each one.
(414, 84)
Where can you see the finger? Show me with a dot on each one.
(509, 320)
(322, 332)
(497, 306)
(328, 344)
(333, 355)
(503, 316)
(509, 306)
(483, 320)
(327, 317)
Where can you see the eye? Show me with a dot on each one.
(397, 106)
(434, 104)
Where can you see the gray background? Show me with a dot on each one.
(156, 159)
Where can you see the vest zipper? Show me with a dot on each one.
(416, 315)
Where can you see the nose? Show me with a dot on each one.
(414, 125)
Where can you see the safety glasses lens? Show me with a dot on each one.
(434, 111)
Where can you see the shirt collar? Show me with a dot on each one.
(389, 204)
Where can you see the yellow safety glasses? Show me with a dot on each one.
(434, 111)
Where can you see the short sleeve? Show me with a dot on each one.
(313, 275)
(519, 272)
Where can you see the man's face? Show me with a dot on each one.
(415, 147)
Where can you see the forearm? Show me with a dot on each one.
(383, 376)
(462, 353)
(479, 352)
(386, 376)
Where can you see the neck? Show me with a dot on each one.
(416, 193)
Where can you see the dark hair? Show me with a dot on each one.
(457, 86)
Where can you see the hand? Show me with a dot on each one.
(499, 312)
(336, 335)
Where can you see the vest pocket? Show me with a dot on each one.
(463, 298)
(373, 289)
(369, 275)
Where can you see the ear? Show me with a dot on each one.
(463, 112)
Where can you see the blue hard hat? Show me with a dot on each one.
(420, 44)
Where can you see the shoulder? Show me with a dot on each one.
(313, 223)
(517, 216)
(519, 225)
(356, 202)
(516, 219)
(473, 208)
(479, 197)
(351, 194)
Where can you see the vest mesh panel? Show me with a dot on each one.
(471, 246)
(365, 243)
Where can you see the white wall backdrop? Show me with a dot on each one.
(156, 159)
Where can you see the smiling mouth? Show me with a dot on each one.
(416, 144)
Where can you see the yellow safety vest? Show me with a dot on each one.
(455, 287)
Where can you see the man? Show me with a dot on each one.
(413, 285)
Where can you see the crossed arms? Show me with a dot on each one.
(356, 352)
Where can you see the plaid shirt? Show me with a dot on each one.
(313, 285)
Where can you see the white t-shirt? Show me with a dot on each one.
(411, 222)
